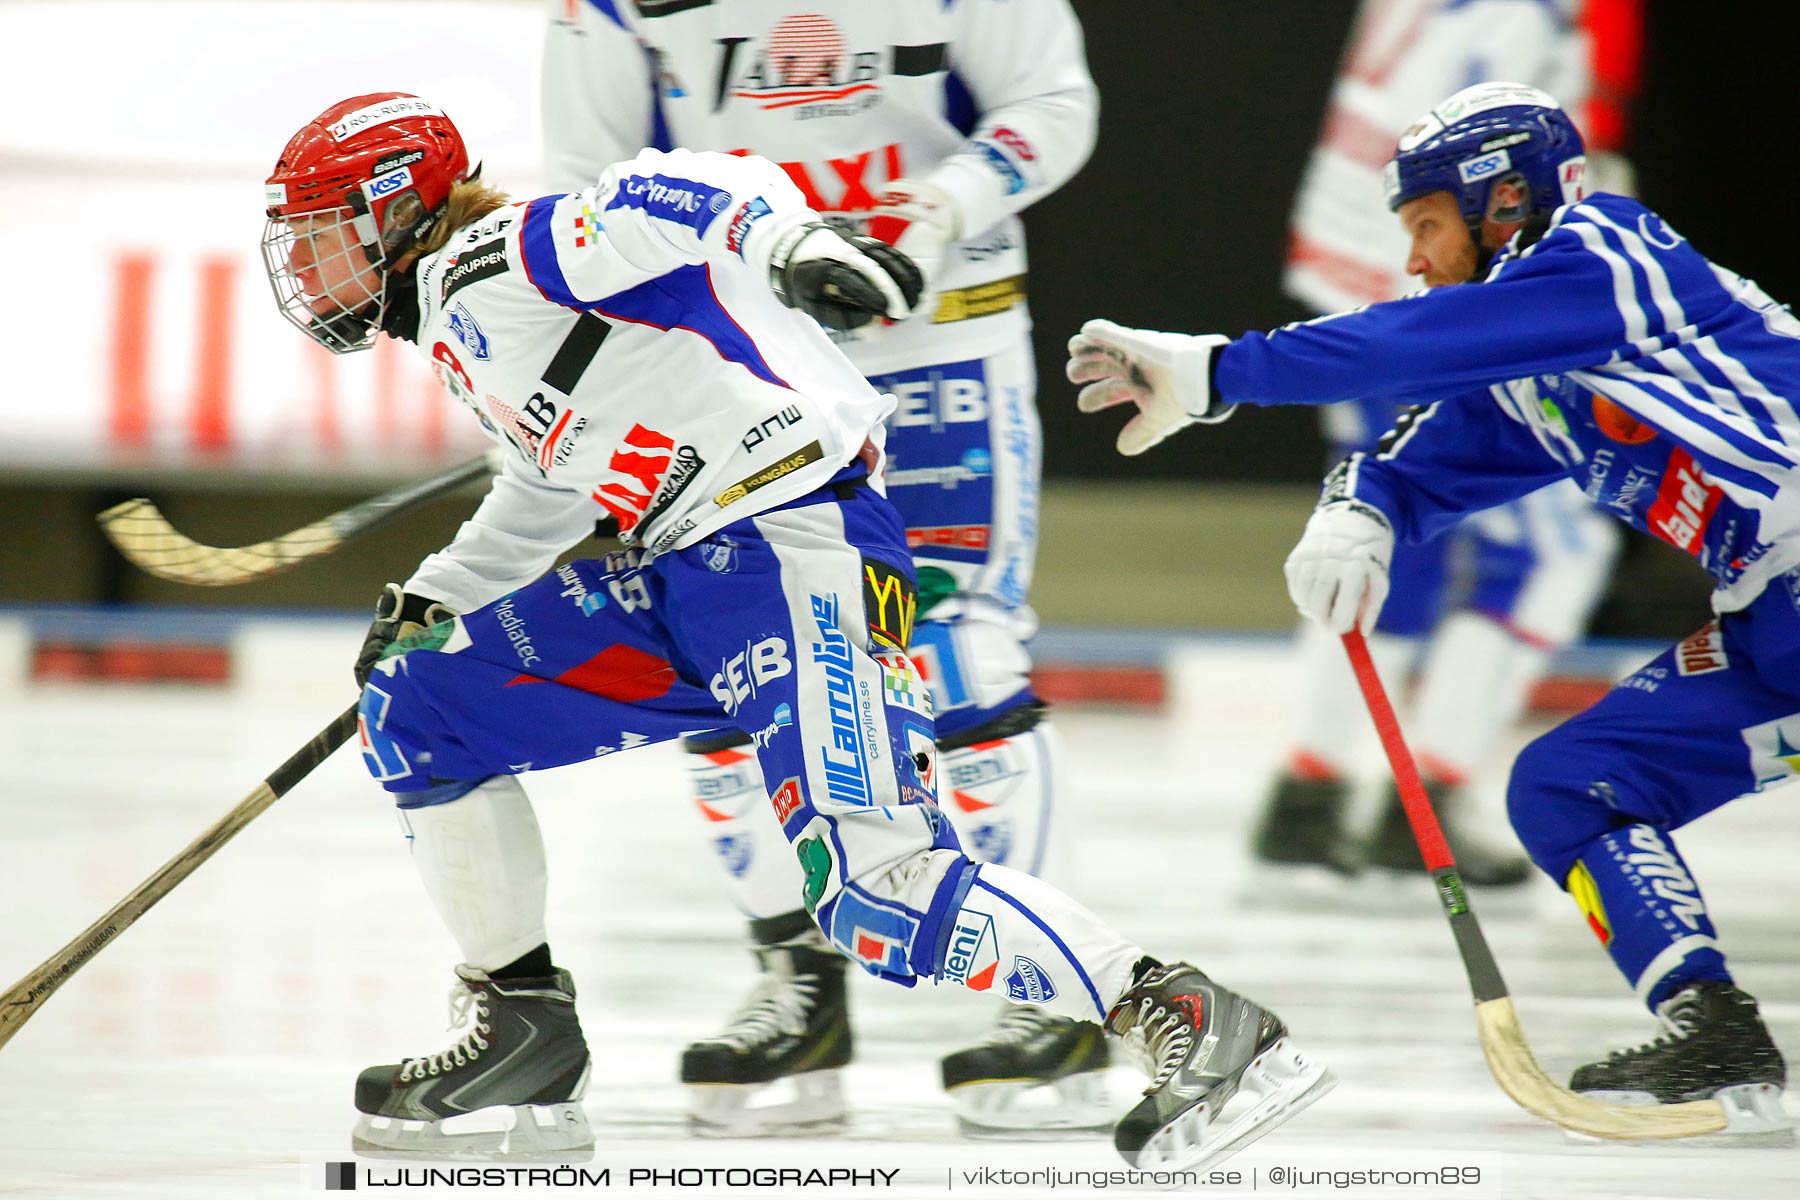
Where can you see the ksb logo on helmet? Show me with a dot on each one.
(392, 182)
(1481, 168)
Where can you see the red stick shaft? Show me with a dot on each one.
(1425, 827)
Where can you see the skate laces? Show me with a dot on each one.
(777, 1005)
(465, 1049)
(1159, 1040)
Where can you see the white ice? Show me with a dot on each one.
(211, 1050)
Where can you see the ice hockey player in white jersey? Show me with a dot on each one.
(622, 343)
(1479, 612)
(930, 125)
(1573, 336)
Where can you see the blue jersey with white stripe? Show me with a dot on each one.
(1610, 351)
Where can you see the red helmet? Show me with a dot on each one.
(355, 189)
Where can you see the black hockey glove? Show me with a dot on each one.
(398, 614)
(843, 282)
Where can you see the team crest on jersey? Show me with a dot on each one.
(468, 331)
(1029, 983)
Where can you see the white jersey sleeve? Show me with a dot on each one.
(599, 100)
(1026, 71)
(515, 535)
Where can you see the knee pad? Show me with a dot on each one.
(481, 858)
(997, 782)
(974, 662)
(726, 783)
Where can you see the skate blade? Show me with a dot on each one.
(1277, 1085)
(1034, 1110)
(1754, 1116)
(813, 1103)
(1295, 887)
(515, 1133)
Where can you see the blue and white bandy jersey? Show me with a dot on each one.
(623, 341)
(1609, 351)
(990, 101)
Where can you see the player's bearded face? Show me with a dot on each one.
(1441, 251)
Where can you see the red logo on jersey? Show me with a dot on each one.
(964, 537)
(645, 470)
(1685, 503)
(1012, 141)
(1702, 652)
(786, 800)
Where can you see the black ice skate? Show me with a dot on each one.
(1716, 1048)
(1303, 826)
(1222, 1069)
(1394, 849)
(509, 1087)
(1035, 1072)
(791, 1035)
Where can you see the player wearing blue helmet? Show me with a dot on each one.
(1600, 346)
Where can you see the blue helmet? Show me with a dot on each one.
(1484, 135)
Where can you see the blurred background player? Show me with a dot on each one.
(1476, 614)
(1592, 341)
(930, 125)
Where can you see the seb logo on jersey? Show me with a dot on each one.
(1685, 504)
(806, 68)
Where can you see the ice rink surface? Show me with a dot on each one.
(210, 1052)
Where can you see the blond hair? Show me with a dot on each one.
(469, 201)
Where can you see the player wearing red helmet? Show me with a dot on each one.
(349, 200)
(649, 348)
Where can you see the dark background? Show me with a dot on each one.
(1208, 112)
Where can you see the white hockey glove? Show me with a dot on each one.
(842, 282)
(1167, 375)
(1338, 573)
(928, 223)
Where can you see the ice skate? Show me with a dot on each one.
(1035, 1072)
(1300, 850)
(509, 1087)
(791, 1036)
(1716, 1048)
(1222, 1069)
(1392, 850)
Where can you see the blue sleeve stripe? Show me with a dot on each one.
(684, 299)
(537, 253)
(606, 9)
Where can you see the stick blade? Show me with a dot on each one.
(148, 541)
(1517, 1072)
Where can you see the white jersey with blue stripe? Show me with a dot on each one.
(624, 343)
(1610, 351)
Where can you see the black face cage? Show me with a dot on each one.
(332, 296)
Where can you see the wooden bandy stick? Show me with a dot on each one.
(148, 541)
(21, 1001)
(1503, 1042)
